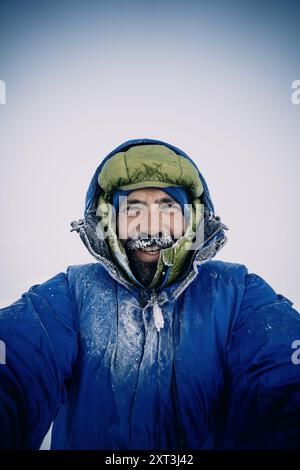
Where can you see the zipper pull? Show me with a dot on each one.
(157, 313)
(158, 316)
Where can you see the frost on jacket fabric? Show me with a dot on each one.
(82, 350)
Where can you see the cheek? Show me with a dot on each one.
(126, 226)
(122, 227)
(178, 226)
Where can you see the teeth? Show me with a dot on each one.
(151, 249)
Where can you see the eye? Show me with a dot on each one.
(133, 210)
(166, 207)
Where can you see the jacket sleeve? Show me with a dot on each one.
(264, 371)
(39, 347)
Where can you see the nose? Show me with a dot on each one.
(152, 221)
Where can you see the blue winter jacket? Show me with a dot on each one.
(82, 350)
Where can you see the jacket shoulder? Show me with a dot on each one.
(82, 277)
(225, 269)
(86, 270)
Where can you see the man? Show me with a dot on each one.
(155, 345)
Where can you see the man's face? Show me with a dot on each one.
(147, 222)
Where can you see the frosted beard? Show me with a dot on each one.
(145, 270)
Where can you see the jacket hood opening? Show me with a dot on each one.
(113, 172)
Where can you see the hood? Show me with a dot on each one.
(111, 254)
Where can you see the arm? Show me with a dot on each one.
(40, 339)
(264, 383)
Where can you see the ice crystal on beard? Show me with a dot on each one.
(137, 242)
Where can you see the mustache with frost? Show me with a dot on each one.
(141, 241)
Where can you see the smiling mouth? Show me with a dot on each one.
(150, 251)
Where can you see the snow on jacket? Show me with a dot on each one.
(82, 350)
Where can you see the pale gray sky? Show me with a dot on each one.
(214, 80)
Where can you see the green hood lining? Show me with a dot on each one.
(151, 165)
(145, 166)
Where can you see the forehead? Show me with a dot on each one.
(146, 194)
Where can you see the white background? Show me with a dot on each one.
(213, 78)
